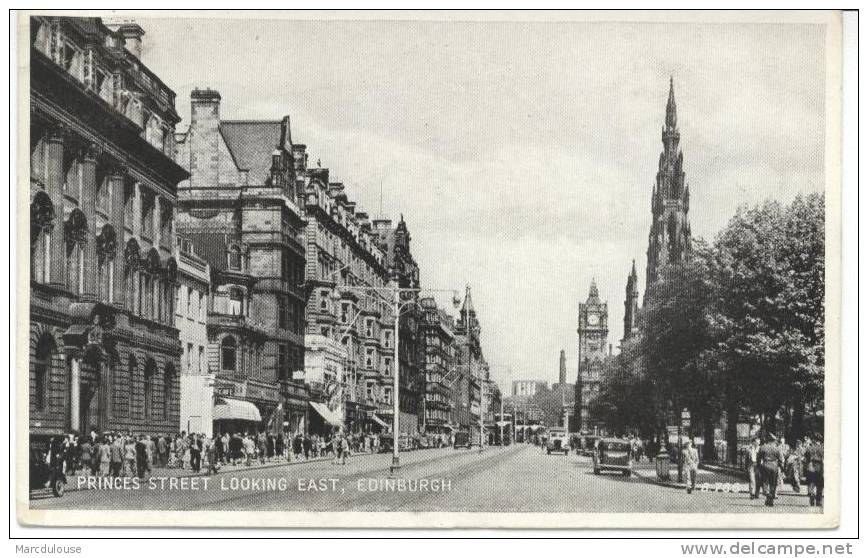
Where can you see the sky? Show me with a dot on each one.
(522, 154)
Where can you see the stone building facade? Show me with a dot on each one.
(104, 349)
(439, 336)
(191, 319)
(349, 336)
(471, 369)
(593, 330)
(403, 270)
(241, 212)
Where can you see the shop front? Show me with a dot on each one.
(248, 406)
(323, 420)
(296, 397)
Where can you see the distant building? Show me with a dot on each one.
(528, 387)
(471, 370)
(438, 335)
(395, 243)
(631, 305)
(593, 330)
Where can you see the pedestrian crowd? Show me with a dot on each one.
(124, 454)
(774, 462)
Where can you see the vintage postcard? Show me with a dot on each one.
(429, 269)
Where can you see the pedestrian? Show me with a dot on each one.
(116, 456)
(279, 446)
(162, 450)
(104, 456)
(814, 471)
(307, 444)
(86, 456)
(753, 471)
(129, 457)
(691, 463)
(141, 452)
(771, 462)
(195, 452)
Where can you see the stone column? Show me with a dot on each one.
(74, 392)
(104, 394)
(155, 218)
(116, 184)
(54, 187)
(136, 225)
(90, 289)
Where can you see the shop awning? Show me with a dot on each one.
(236, 409)
(327, 414)
(379, 421)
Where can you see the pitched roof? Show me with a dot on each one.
(251, 143)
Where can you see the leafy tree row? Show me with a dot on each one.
(736, 331)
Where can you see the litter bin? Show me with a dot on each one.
(662, 463)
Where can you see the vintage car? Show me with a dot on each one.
(587, 445)
(43, 474)
(613, 454)
(462, 440)
(557, 442)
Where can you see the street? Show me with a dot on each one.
(519, 478)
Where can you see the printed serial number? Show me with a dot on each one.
(722, 487)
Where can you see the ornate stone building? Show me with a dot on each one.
(395, 243)
(471, 370)
(104, 349)
(593, 330)
(439, 335)
(241, 212)
(350, 334)
(669, 237)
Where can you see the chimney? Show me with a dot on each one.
(132, 33)
(204, 138)
(299, 156)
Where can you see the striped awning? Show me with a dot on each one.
(379, 421)
(327, 414)
(236, 409)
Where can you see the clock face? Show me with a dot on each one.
(593, 319)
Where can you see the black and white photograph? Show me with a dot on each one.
(431, 270)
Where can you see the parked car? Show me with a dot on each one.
(462, 440)
(613, 454)
(44, 475)
(557, 442)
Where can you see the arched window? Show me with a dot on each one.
(106, 248)
(75, 233)
(40, 372)
(233, 256)
(228, 351)
(41, 225)
(148, 402)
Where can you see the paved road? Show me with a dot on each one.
(516, 478)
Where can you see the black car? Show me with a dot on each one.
(462, 440)
(45, 473)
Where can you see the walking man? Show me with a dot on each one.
(814, 471)
(771, 462)
(691, 462)
(754, 481)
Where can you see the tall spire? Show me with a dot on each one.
(671, 109)
(593, 293)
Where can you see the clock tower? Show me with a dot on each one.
(593, 330)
